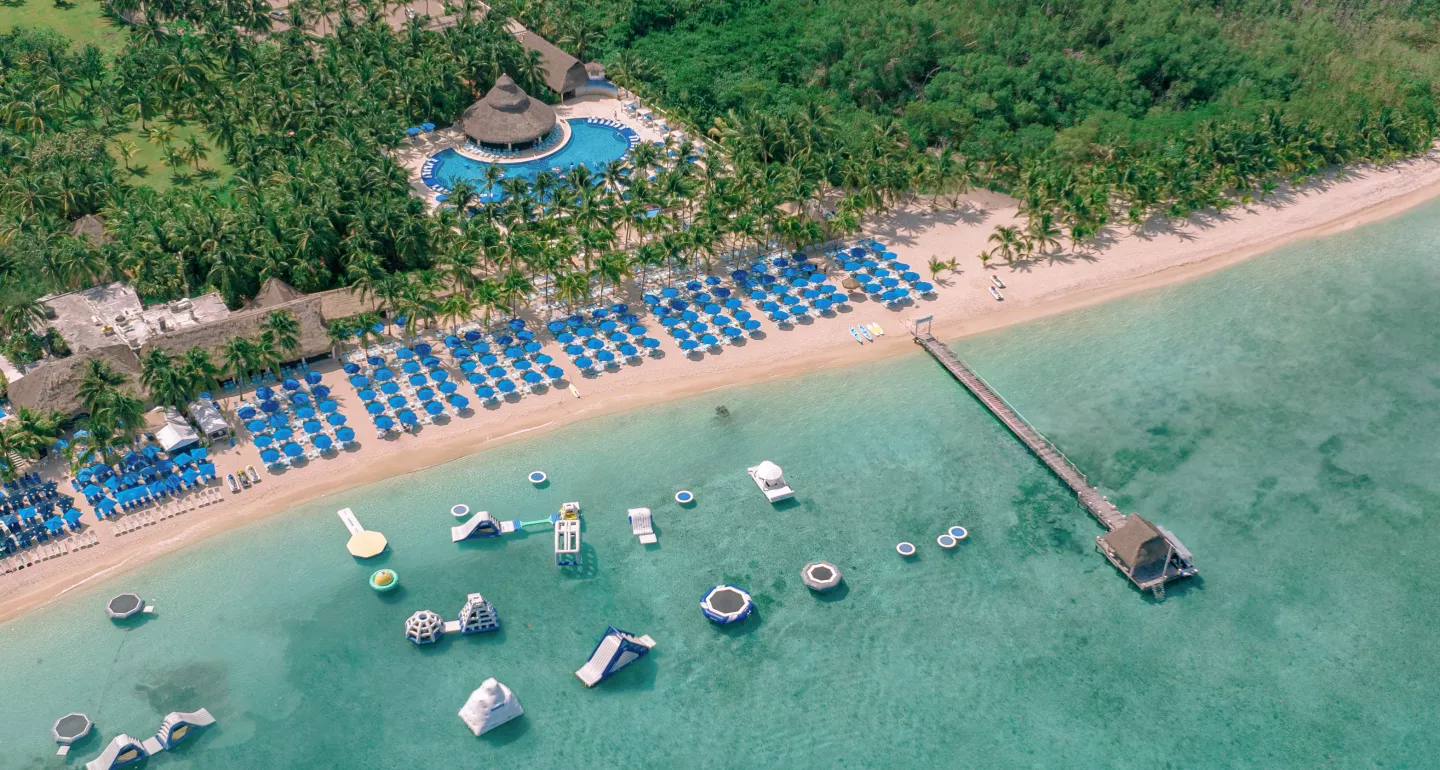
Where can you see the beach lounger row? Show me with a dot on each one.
(48, 551)
(171, 509)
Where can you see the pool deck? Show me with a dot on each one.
(412, 155)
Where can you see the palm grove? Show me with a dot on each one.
(1090, 114)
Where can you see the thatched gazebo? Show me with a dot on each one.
(507, 117)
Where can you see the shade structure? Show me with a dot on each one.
(439, 375)
(328, 407)
(375, 407)
(290, 384)
(322, 442)
(305, 413)
(522, 364)
(246, 412)
(650, 342)
(416, 380)
(345, 434)
(312, 427)
(293, 450)
(476, 379)
(269, 407)
(396, 402)
(505, 386)
(459, 402)
(359, 381)
(507, 116)
(351, 368)
(382, 375)
(448, 387)
(336, 419)
(434, 407)
(425, 394)
(407, 417)
(532, 377)
(255, 426)
(312, 378)
(584, 363)
(486, 392)
(264, 392)
(367, 395)
(390, 388)
(411, 367)
(384, 422)
(554, 372)
(283, 434)
(404, 354)
(269, 456)
(263, 440)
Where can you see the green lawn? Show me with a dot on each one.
(148, 167)
(79, 20)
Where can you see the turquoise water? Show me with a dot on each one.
(1279, 416)
(589, 145)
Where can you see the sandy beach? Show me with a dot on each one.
(1123, 263)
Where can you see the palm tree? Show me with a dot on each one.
(21, 316)
(98, 382)
(239, 357)
(202, 371)
(1043, 233)
(169, 384)
(1007, 242)
(284, 331)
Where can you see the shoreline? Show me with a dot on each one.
(1129, 263)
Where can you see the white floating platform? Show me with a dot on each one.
(490, 706)
(771, 480)
(641, 526)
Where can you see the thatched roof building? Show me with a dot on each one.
(563, 73)
(273, 293)
(52, 384)
(92, 229)
(507, 117)
(314, 341)
(1139, 547)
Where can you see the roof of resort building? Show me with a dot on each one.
(563, 72)
(272, 293)
(507, 115)
(1137, 543)
(92, 228)
(106, 315)
(246, 323)
(53, 383)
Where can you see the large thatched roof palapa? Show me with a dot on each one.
(313, 339)
(273, 293)
(53, 383)
(563, 72)
(507, 115)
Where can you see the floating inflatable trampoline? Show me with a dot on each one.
(684, 497)
(905, 549)
(726, 604)
(959, 533)
(460, 510)
(820, 576)
(537, 477)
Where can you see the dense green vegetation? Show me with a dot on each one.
(1090, 113)
(1083, 108)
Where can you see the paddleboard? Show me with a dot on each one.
(574, 392)
(866, 332)
(995, 279)
(856, 335)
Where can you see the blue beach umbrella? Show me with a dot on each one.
(264, 393)
(290, 384)
(731, 331)
(689, 344)
(439, 375)
(584, 331)
(781, 315)
(359, 381)
(416, 380)
(300, 398)
(554, 372)
(496, 372)
(396, 402)
(489, 360)
(618, 337)
(408, 417)
(521, 364)
(327, 406)
(404, 354)
(533, 377)
(516, 324)
(486, 393)
(628, 350)
(246, 412)
(434, 407)
(459, 402)
(425, 394)
(263, 440)
(384, 375)
(312, 378)
(336, 420)
(447, 387)
(532, 347)
(468, 367)
(594, 343)
(680, 334)
(605, 356)
(708, 339)
(514, 352)
(423, 349)
(476, 379)
(669, 292)
(367, 395)
(555, 327)
(255, 426)
(566, 338)
(410, 367)
(322, 442)
(269, 456)
(269, 407)
(650, 342)
(924, 287)
(505, 386)
(278, 421)
(584, 363)
(390, 388)
(350, 368)
(345, 434)
(293, 450)
(284, 434)
(503, 341)
(384, 422)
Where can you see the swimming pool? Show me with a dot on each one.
(593, 142)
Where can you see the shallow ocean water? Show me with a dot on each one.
(1280, 416)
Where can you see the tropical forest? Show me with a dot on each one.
(220, 148)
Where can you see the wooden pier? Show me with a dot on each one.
(1140, 540)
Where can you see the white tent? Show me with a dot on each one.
(208, 418)
(177, 433)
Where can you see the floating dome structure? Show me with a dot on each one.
(821, 576)
(478, 616)
(726, 604)
(771, 480)
(424, 627)
(122, 751)
(384, 580)
(70, 728)
(124, 606)
(489, 707)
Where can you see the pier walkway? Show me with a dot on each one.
(1148, 555)
(1054, 459)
